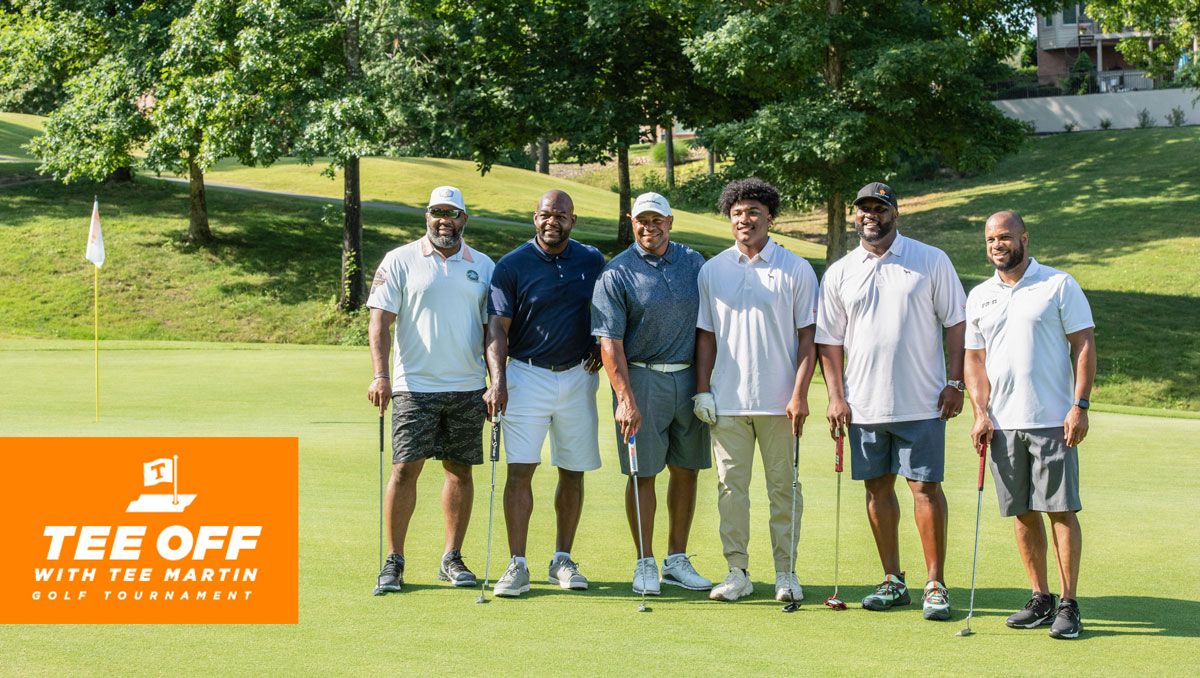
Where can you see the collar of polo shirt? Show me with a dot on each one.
(897, 249)
(546, 256)
(463, 250)
(763, 255)
(666, 256)
(1030, 271)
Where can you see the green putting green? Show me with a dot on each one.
(1137, 594)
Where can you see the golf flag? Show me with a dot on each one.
(158, 471)
(95, 244)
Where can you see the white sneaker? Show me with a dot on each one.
(736, 585)
(787, 588)
(645, 577)
(678, 571)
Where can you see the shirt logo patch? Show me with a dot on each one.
(472, 276)
(380, 279)
(989, 303)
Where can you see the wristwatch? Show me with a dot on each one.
(956, 383)
(1082, 403)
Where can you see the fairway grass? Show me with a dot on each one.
(1140, 604)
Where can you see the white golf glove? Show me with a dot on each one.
(705, 408)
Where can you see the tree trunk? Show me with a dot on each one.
(669, 137)
(625, 225)
(543, 155)
(352, 290)
(198, 231)
(712, 162)
(835, 227)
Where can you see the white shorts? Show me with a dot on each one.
(563, 403)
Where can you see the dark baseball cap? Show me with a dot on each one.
(878, 191)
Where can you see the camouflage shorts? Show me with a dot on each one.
(445, 426)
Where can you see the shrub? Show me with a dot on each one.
(1144, 119)
(1082, 73)
(699, 193)
(659, 152)
(1176, 117)
(560, 152)
(1105, 123)
(1070, 126)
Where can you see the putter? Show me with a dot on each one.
(637, 507)
(494, 455)
(794, 605)
(833, 601)
(377, 591)
(975, 558)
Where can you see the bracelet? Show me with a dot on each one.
(382, 376)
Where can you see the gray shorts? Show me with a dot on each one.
(670, 433)
(913, 449)
(446, 426)
(1034, 470)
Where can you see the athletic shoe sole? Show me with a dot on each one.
(511, 593)
(937, 614)
(783, 597)
(390, 588)
(461, 582)
(1071, 635)
(567, 585)
(734, 596)
(880, 607)
(649, 592)
(674, 582)
(1044, 621)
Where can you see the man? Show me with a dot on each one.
(435, 287)
(643, 310)
(1031, 361)
(883, 310)
(754, 362)
(538, 322)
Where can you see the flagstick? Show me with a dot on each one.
(96, 307)
(175, 479)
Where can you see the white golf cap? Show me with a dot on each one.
(447, 195)
(651, 202)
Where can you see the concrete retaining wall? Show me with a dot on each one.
(1050, 114)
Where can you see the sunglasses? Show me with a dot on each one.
(440, 213)
(873, 208)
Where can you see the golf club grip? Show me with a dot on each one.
(633, 465)
(982, 465)
(837, 454)
(494, 455)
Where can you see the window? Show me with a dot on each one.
(1070, 14)
(1048, 21)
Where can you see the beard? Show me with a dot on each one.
(1016, 257)
(884, 228)
(444, 241)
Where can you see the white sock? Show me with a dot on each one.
(520, 560)
(673, 556)
(561, 555)
(649, 559)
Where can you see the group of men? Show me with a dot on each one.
(709, 359)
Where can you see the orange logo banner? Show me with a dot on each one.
(149, 530)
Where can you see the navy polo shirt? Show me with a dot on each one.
(548, 297)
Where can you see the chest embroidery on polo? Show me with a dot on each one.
(472, 275)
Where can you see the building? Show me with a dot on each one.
(1068, 33)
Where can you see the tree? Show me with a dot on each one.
(838, 94)
(1173, 24)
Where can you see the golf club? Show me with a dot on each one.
(975, 558)
(378, 591)
(833, 601)
(794, 605)
(637, 507)
(494, 455)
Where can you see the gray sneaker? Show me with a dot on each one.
(455, 571)
(391, 577)
(514, 581)
(678, 571)
(565, 573)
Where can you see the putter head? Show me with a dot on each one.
(793, 606)
(834, 603)
(378, 591)
(643, 608)
(965, 632)
(481, 599)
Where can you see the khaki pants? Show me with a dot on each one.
(733, 448)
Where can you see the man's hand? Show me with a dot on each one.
(981, 433)
(591, 362)
(838, 415)
(797, 412)
(380, 392)
(496, 399)
(705, 407)
(628, 417)
(950, 403)
(1075, 426)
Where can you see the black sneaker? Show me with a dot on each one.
(1067, 624)
(1039, 611)
(391, 577)
(455, 571)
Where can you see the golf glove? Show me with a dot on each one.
(705, 408)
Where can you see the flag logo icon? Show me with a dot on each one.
(95, 244)
(156, 472)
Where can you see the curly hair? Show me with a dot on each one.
(749, 189)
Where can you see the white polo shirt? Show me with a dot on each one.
(754, 307)
(889, 312)
(441, 308)
(1024, 328)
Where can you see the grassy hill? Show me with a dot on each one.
(1116, 209)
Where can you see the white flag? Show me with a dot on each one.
(158, 471)
(95, 245)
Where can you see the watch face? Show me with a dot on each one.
(1082, 403)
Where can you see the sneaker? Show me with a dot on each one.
(565, 573)
(454, 570)
(787, 588)
(736, 585)
(1039, 611)
(1067, 623)
(891, 592)
(645, 577)
(937, 602)
(391, 577)
(514, 581)
(678, 571)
